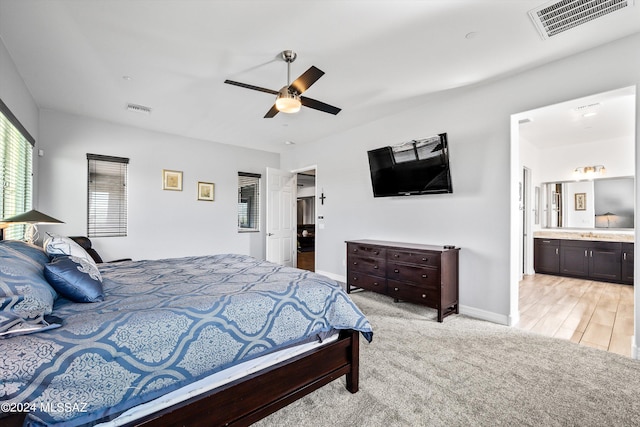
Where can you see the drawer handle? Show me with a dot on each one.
(395, 289)
(424, 276)
(355, 250)
(355, 279)
(375, 267)
(396, 256)
(396, 271)
(425, 259)
(355, 262)
(376, 252)
(424, 295)
(375, 283)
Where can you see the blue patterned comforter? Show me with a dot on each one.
(163, 324)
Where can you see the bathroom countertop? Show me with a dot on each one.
(587, 235)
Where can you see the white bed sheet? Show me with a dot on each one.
(216, 380)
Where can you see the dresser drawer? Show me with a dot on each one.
(404, 291)
(364, 250)
(364, 281)
(421, 258)
(375, 266)
(428, 277)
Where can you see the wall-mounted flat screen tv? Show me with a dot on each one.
(420, 166)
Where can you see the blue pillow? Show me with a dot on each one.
(36, 253)
(75, 279)
(24, 291)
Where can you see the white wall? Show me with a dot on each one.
(615, 154)
(482, 213)
(16, 96)
(161, 223)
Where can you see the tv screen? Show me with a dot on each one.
(419, 166)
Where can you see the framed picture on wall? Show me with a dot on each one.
(206, 191)
(171, 180)
(581, 201)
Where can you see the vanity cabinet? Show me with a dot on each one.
(422, 274)
(627, 263)
(597, 260)
(593, 260)
(546, 255)
(574, 259)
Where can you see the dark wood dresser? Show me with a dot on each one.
(422, 274)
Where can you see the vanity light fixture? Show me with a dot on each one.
(589, 171)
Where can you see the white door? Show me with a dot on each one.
(281, 217)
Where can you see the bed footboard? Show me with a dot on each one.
(252, 398)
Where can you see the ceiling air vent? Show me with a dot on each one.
(138, 108)
(558, 16)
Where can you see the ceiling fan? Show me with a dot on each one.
(289, 99)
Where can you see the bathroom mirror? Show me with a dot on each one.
(600, 203)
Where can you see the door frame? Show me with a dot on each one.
(315, 195)
(526, 232)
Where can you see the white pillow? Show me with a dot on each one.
(56, 245)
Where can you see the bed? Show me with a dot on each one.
(159, 327)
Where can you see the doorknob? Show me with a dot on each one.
(269, 234)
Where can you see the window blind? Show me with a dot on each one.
(16, 156)
(107, 196)
(248, 201)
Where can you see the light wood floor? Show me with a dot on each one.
(595, 314)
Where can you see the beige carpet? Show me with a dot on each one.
(466, 372)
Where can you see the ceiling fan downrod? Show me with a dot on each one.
(288, 56)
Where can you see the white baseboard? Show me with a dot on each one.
(484, 315)
(635, 354)
(336, 277)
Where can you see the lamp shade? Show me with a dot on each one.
(288, 102)
(33, 217)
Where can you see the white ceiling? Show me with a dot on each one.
(379, 57)
(598, 117)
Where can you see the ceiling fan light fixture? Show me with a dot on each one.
(288, 102)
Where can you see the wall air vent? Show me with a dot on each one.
(138, 108)
(558, 16)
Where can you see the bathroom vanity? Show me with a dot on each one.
(593, 256)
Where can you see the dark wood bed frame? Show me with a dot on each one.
(249, 399)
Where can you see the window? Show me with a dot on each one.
(107, 196)
(16, 156)
(248, 201)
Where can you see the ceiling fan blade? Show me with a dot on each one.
(307, 78)
(272, 112)
(321, 106)
(258, 88)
